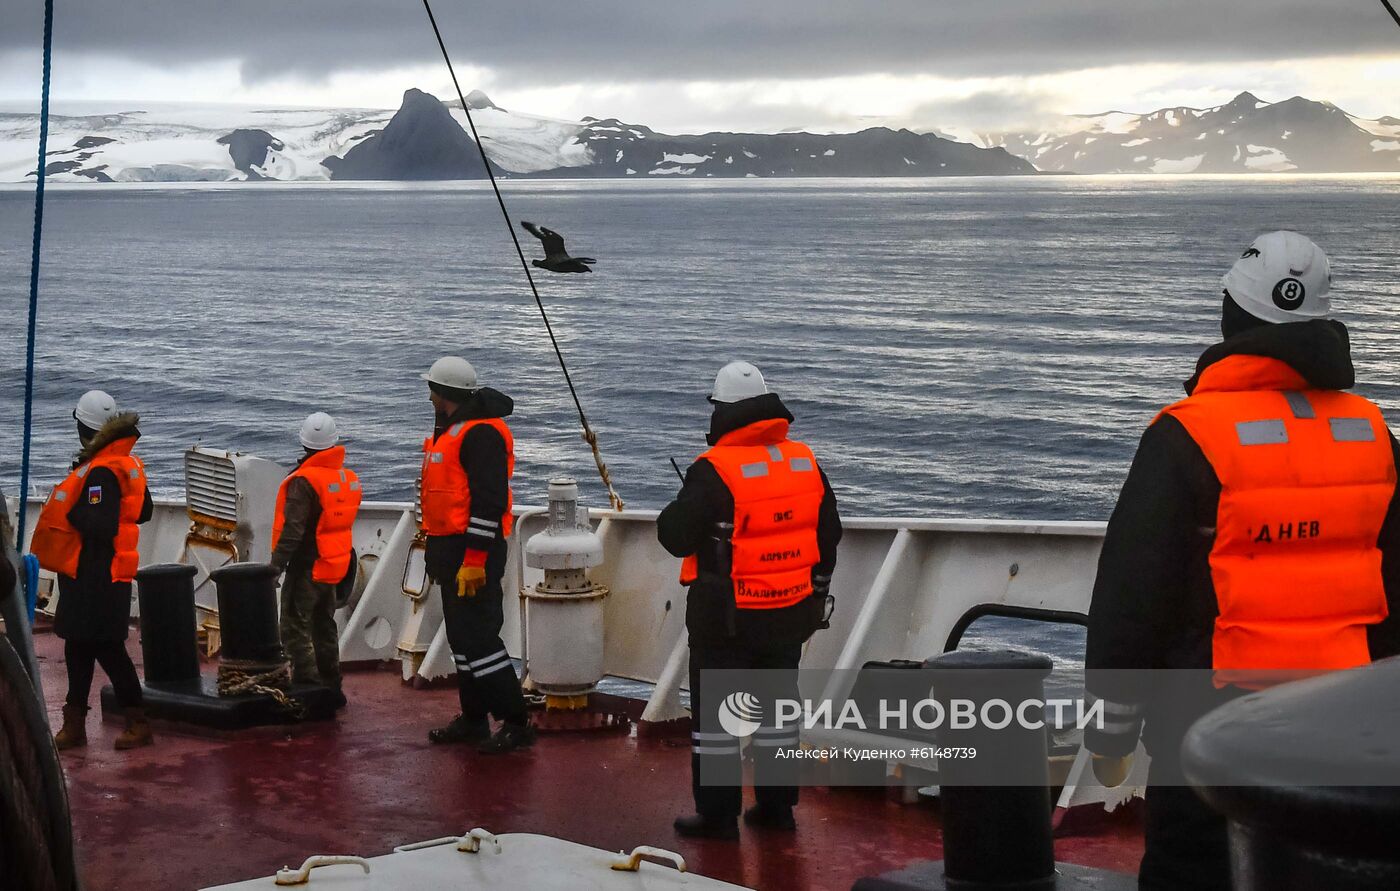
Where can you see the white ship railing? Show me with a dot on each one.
(905, 588)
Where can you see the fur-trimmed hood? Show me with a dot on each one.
(120, 426)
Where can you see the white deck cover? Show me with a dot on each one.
(526, 862)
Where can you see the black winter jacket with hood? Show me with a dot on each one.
(92, 607)
(686, 525)
(1154, 604)
(484, 457)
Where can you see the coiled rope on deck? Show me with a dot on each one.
(34, 271)
(36, 844)
(239, 677)
(588, 435)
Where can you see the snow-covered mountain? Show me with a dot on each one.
(165, 142)
(1245, 135)
(181, 143)
(426, 139)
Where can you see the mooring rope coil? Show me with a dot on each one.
(588, 435)
(239, 677)
(34, 272)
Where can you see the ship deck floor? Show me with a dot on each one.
(195, 810)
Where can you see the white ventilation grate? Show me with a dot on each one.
(211, 486)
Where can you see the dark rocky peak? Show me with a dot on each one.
(249, 149)
(478, 99)
(1245, 101)
(421, 142)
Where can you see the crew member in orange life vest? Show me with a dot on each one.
(466, 501)
(311, 542)
(757, 524)
(1257, 532)
(87, 533)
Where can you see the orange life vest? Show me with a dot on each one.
(446, 492)
(1306, 478)
(777, 494)
(338, 490)
(57, 544)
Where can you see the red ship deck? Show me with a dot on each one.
(195, 811)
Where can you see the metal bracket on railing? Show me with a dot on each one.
(288, 876)
(633, 862)
(471, 842)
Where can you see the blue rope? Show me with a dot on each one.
(34, 272)
(31, 585)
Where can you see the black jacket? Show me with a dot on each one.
(484, 457)
(1154, 604)
(686, 526)
(92, 607)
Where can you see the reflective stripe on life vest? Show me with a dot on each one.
(338, 490)
(446, 494)
(1306, 478)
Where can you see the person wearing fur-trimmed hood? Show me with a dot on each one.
(87, 533)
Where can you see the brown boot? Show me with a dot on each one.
(137, 731)
(74, 731)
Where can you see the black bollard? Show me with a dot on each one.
(248, 626)
(1308, 775)
(994, 835)
(168, 645)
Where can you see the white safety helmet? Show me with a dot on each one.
(318, 431)
(1281, 277)
(452, 371)
(95, 408)
(738, 381)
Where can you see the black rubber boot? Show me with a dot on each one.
(507, 739)
(339, 698)
(460, 730)
(764, 817)
(701, 826)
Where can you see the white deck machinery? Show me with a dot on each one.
(562, 617)
(229, 498)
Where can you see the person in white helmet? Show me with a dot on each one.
(757, 527)
(1257, 536)
(466, 508)
(88, 533)
(311, 542)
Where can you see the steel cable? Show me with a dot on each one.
(588, 435)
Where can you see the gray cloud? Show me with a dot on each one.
(989, 109)
(539, 42)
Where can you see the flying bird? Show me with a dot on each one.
(556, 258)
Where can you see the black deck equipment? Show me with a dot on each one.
(995, 837)
(1261, 761)
(175, 690)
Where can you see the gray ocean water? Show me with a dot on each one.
(968, 347)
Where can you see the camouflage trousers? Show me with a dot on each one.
(308, 629)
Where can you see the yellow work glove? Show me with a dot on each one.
(469, 580)
(1112, 771)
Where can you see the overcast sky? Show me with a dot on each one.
(720, 64)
